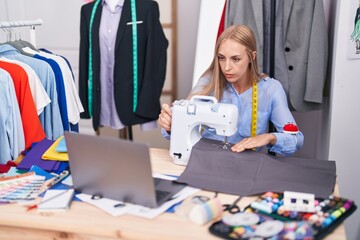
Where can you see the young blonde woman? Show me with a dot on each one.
(233, 77)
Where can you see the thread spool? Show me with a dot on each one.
(203, 213)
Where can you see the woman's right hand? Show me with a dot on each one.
(165, 117)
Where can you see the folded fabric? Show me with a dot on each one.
(61, 147)
(247, 173)
(52, 154)
(33, 157)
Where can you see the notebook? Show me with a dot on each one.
(56, 199)
(117, 169)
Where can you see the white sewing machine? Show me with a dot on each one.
(187, 115)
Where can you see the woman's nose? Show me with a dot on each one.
(227, 65)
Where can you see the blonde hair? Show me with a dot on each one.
(243, 35)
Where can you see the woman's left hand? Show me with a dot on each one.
(254, 142)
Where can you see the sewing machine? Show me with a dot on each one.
(187, 117)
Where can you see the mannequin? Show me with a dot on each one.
(113, 82)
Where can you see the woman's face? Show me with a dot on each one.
(234, 61)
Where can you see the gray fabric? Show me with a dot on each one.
(212, 168)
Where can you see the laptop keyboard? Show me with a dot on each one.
(161, 195)
(157, 181)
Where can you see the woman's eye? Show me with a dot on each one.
(221, 58)
(236, 59)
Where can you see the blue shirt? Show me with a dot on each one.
(272, 106)
(12, 140)
(60, 89)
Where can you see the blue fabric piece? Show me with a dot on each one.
(41, 172)
(61, 147)
(61, 166)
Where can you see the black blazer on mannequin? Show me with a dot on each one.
(152, 47)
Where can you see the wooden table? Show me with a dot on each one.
(84, 221)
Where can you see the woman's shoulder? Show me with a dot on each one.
(270, 82)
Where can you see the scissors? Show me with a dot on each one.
(232, 208)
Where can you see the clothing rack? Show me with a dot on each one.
(27, 23)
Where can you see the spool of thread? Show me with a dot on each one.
(203, 213)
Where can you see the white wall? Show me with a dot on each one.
(345, 113)
(188, 16)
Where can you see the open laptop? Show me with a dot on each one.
(117, 169)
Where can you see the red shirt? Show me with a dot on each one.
(33, 131)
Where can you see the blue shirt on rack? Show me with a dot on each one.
(12, 140)
(272, 106)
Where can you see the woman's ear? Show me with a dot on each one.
(254, 55)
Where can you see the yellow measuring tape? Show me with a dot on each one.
(254, 108)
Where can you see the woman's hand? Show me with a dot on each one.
(254, 142)
(165, 117)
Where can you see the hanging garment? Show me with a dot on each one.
(152, 46)
(73, 103)
(12, 140)
(249, 13)
(33, 131)
(301, 46)
(51, 115)
(41, 98)
(305, 51)
(247, 173)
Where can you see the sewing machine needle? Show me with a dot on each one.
(226, 144)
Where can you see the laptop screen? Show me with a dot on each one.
(112, 168)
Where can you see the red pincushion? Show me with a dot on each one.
(291, 128)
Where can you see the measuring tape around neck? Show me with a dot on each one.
(254, 108)
(90, 72)
(135, 53)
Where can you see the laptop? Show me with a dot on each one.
(116, 169)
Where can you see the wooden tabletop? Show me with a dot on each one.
(84, 221)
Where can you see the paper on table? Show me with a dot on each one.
(57, 199)
(107, 204)
(151, 213)
(110, 206)
(68, 181)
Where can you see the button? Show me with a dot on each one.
(291, 67)
(287, 49)
(109, 31)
